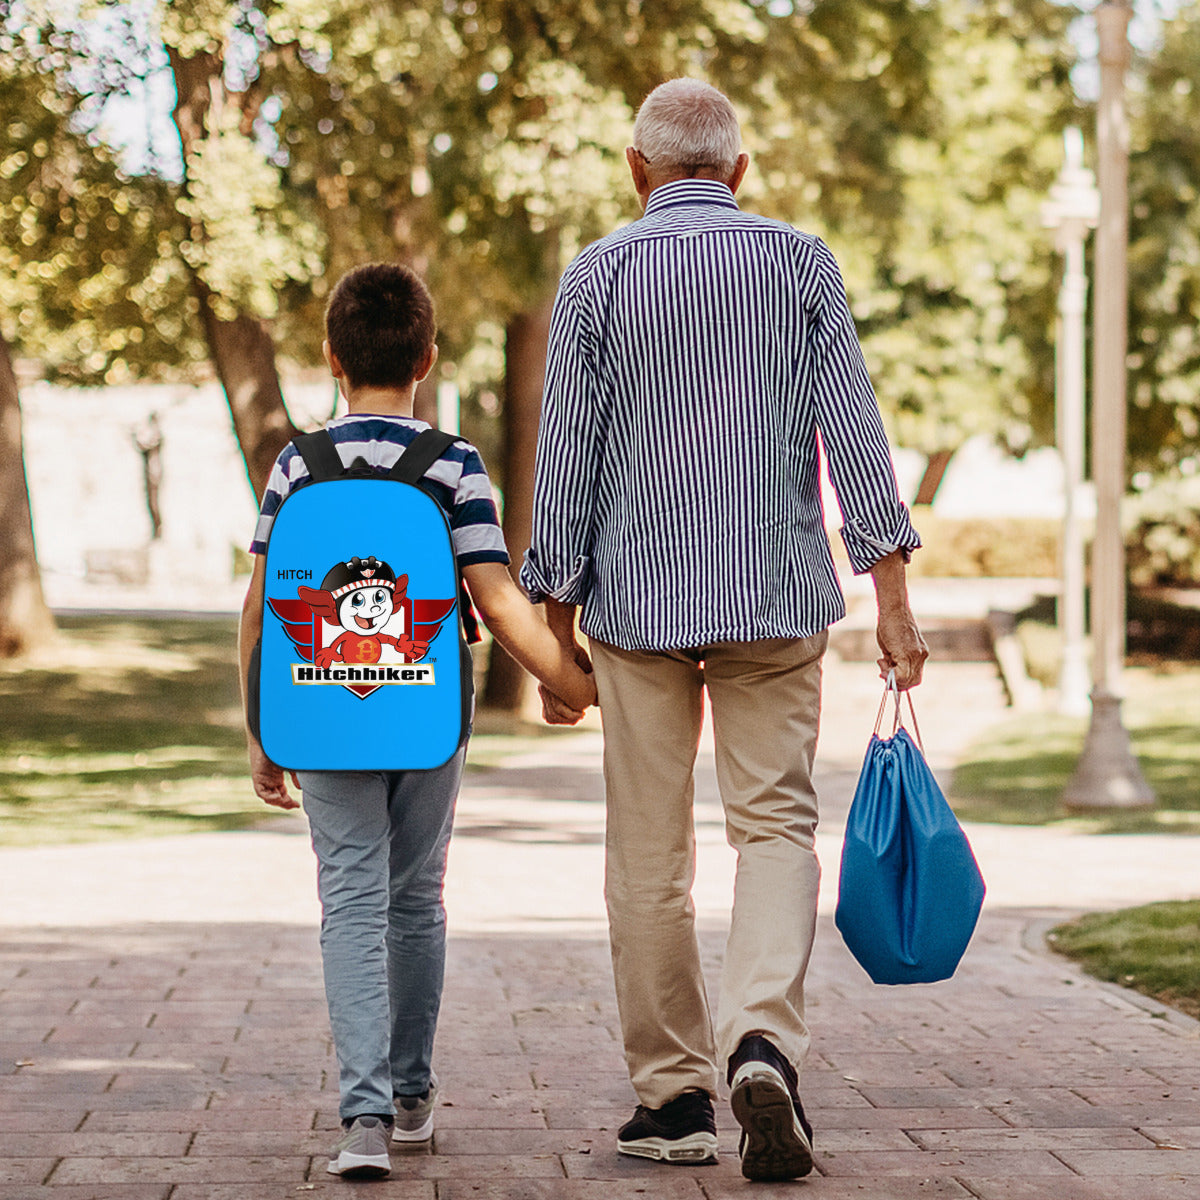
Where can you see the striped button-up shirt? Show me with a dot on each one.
(698, 357)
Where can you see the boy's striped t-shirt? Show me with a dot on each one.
(459, 482)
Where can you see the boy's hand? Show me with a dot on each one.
(268, 779)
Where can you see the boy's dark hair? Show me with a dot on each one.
(380, 324)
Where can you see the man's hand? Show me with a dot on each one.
(904, 649)
(268, 779)
(561, 619)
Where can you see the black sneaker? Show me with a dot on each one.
(682, 1131)
(776, 1136)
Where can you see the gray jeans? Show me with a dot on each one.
(380, 839)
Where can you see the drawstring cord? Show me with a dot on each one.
(890, 689)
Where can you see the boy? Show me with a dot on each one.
(381, 837)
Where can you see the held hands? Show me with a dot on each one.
(568, 708)
(557, 710)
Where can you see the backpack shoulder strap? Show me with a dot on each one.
(320, 455)
(422, 452)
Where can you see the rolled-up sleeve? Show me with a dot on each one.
(875, 520)
(558, 562)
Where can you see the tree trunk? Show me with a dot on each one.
(935, 468)
(241, 350)
(25, 621)
(526, 340)
(244, 357)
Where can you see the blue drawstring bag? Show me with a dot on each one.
(909, 891)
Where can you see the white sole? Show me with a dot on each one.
(758, 1070)
(695, 1148)
(421, 1134)
(360, 1166)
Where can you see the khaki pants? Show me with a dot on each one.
(765, 699)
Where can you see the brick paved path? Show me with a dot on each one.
(163, 1033)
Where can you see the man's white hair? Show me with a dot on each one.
(686, 124)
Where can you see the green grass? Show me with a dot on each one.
(1154, 949)
(1016, 771)
(133, 727)
(127, 728)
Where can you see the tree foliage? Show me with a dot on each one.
(482, 141)
(957, 312)
(1164, 248)
(90, 283)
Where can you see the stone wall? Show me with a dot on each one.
(87, 483)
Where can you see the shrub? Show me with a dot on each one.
(997, 547)
(1162, 533)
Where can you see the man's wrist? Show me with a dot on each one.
(890, 580)
(561, 619)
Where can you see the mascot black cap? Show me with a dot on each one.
(358, 572)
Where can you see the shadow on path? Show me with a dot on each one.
(192, 1061)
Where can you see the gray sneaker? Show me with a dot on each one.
(362, 1151)
(414, 1115)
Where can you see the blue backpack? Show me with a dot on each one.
(363, 663)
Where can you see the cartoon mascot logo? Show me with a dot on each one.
(339, 628)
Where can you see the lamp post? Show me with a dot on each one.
(1107, 775)
(1072, 209)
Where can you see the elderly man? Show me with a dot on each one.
(697, 358)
